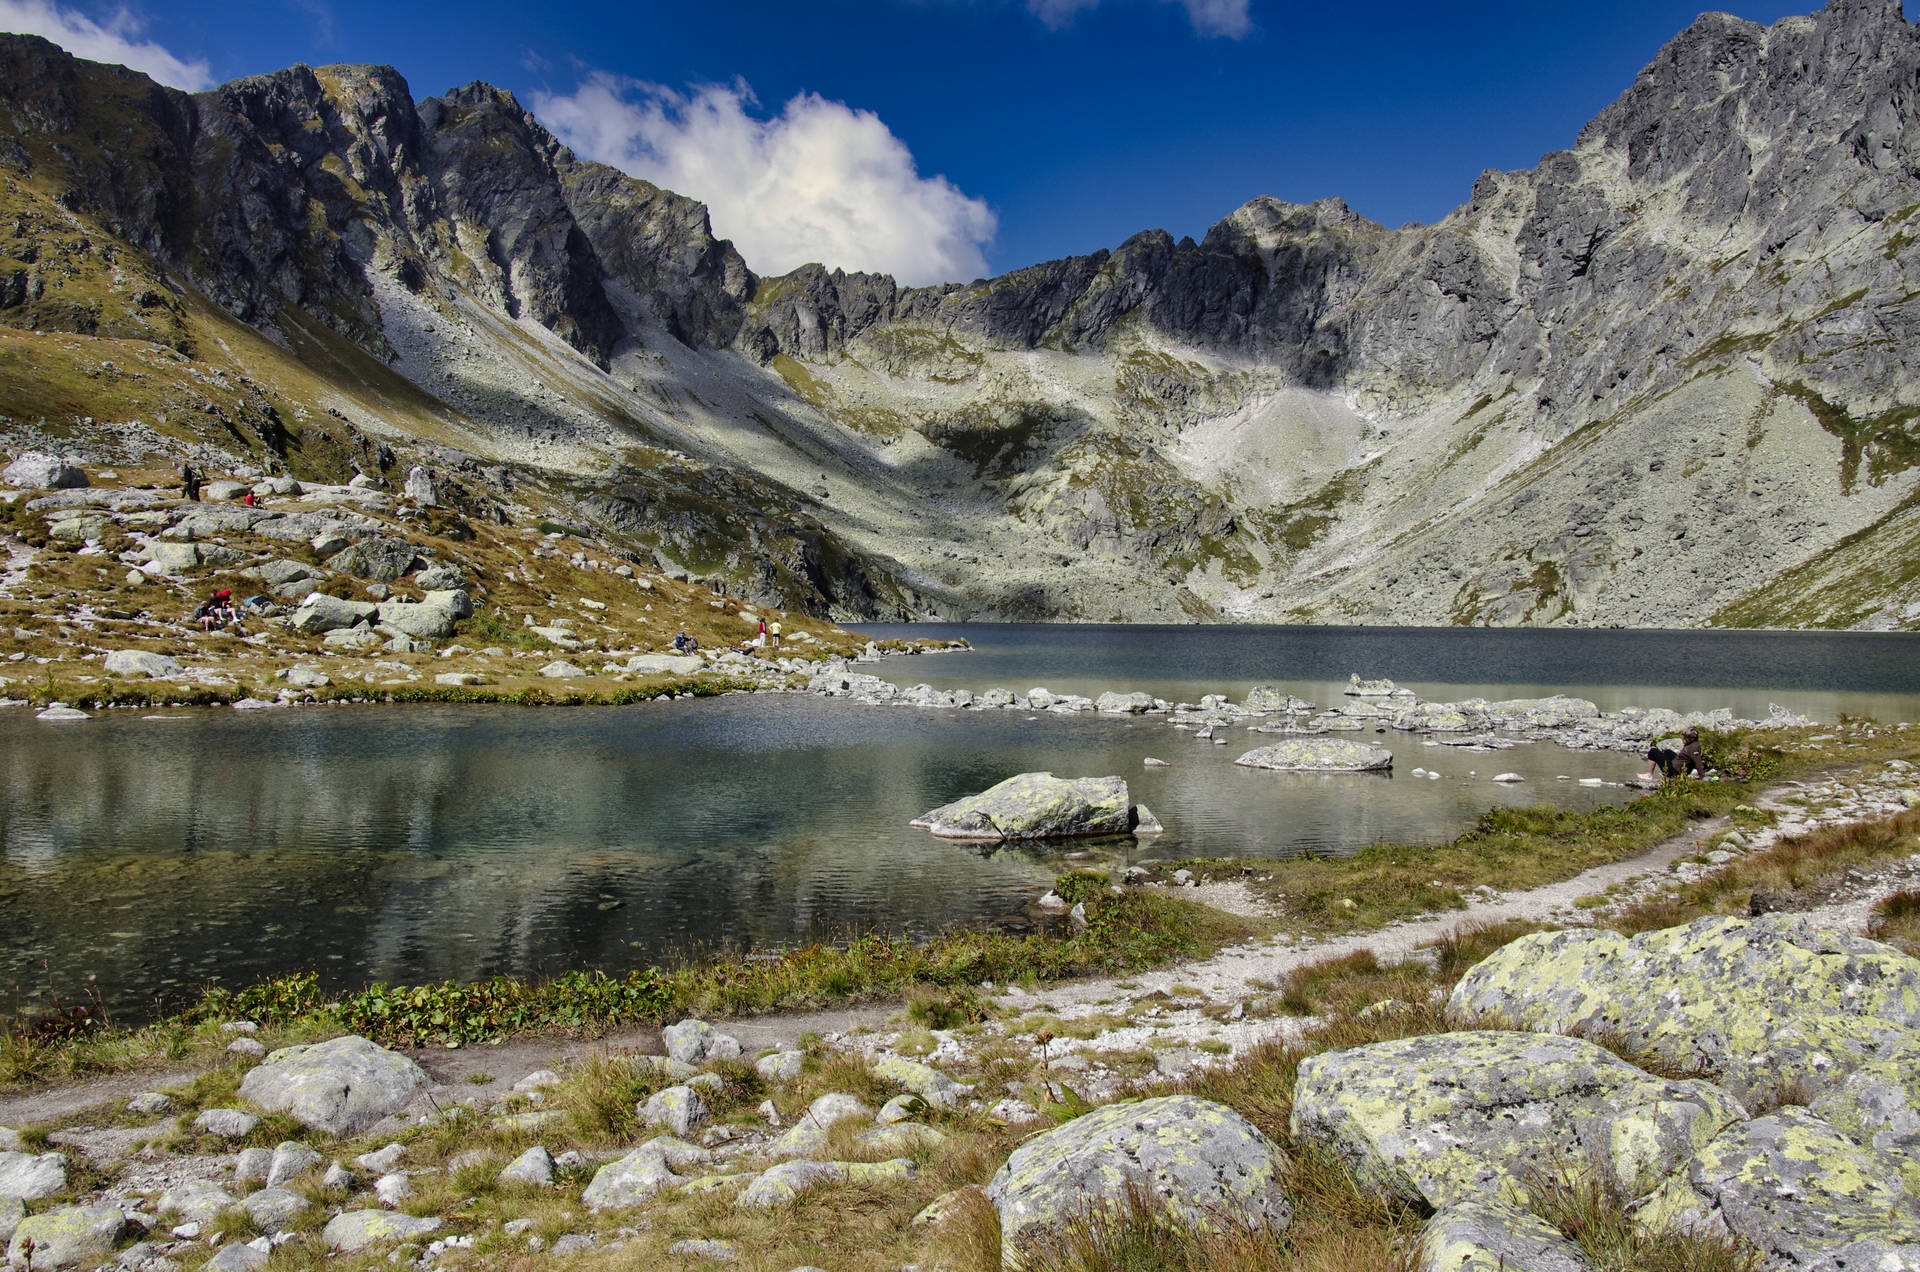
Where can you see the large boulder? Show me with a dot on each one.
(1799, 1191)
(341, 1086)
(1202, 1161)
(1318, 755)
(1036, 806)
(358, 1229)
(808, 1135)
(140, 662)
(378, 559)
(1494, 1236)
(452, 599)
(694, 1041)
(630, 1181)
(36, 470)
(664, 664)
(1878, 1106)
(322, 613)
(69, 1237)
(419, 621)
(1762, 1003)
(1447, 1117)
(29, 1176)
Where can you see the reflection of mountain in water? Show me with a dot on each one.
(422, 843)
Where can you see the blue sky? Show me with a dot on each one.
(945, 138)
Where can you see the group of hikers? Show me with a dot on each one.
(767, 634)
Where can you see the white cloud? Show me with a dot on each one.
(1228, 18)
(820, 181)
(117, 40)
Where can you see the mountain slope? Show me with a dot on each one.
(1666, 377)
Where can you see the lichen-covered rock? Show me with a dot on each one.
(678, 1108)
(809, 1132)
(535, 1166)
(322, 613)
(925, 1081)
(1318, 755)
(901, 1137)
(273, 1209)
(377, 559)
(226, 1123)
(1450, 1117)
(36, 470)
(1493, 1236)
(1878, 1106)
(781, 1066)
(1759, 1002)
(31, 1176)
(419, 621)
(694, 1041)
(787, 1181)
(1035, 806)
(67, 1237)
(291, 1160)
(1201, 1160)
(341, 1086)
(195, 1200)
(629, 1181)
(1801, 1192)
(358, 1229)
(12, 1211)
(140, 662)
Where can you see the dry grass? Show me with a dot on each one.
(1896, 920)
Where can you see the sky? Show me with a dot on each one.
(944, 140)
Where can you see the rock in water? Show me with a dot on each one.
(1318, 755)
(1203, 1161)
(341, 1086)
(1451, 1117)
(1036, 806)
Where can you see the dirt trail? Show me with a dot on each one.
(1230, 975)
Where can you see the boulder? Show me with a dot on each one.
(417, 621)
(535, 1166)
(664, 664)
(1486, 1235)
(1202, 1161)
(786, 1182)
(781, 1066)
(1447, 1117)
(419, 487)
(452, 599)
(809, 1132)
(68, 1237)
(1269, 699)
(195, 1200)
(12, 1211)
(1036, 806)
(291, 1160)
(29, 1176)
(1762, 1003)
(227, 1123)
(240, 1256)
(1318, 755)
(322, 613)
(358, 1229)
(560, 669)
(377, 559)
(36, 470)
(1878, 1106)
(437, 577)
(341, 1086)
(273, 1209)
(224, 490)
(1800, 1192)
(170, 558)
(693, 1041)
(678, 1108)
(140, 662)
(629, 1181)
(931, 1085)
(1111, 703)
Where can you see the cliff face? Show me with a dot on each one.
(1668, 376)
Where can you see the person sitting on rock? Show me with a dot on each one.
(685, 644)
(217, 611)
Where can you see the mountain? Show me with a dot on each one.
(1666, 377)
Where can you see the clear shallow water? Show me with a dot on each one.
(413, 843)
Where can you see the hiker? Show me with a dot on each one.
(685, 644)
(773, 630)
(190, 482)
(1687, 761)
(250, 500)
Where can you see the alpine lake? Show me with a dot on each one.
(147, 855)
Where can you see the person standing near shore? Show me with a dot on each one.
(773, 631)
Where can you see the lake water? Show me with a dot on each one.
(415, 843)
